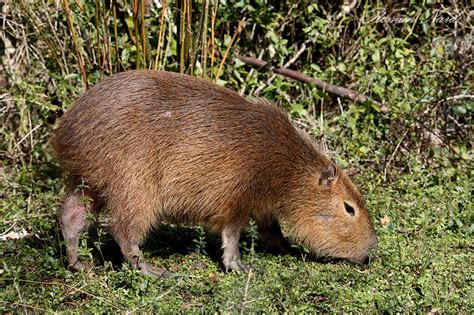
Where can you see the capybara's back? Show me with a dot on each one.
(165, 146)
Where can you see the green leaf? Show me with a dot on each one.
(71, 76)
(376, 56)
(459, 110)
(298, 108)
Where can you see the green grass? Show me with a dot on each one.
(424, 261)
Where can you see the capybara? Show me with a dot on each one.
(153, 146)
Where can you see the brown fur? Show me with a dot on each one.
(164, 146)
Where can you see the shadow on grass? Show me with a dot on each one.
(164, 241)
(168, 240)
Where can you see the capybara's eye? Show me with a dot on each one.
(349, 208)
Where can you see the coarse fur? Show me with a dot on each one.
(159, 146)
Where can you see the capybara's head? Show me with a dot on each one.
(331, 218)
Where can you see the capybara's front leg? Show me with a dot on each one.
(272, 235)
(230, 244)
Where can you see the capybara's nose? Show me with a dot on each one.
(371, 251)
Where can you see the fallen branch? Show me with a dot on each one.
(327, 87)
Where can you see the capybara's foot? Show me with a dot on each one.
(80, 266)
(156, 273)
(159, 273)
(236, 265)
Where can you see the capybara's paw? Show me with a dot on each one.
(156, 273)
(236, 265)
(80, 266)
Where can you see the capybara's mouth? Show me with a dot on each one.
(363, 261)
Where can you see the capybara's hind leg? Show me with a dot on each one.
(73, 220)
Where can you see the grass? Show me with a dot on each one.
(413, 164)
(424, 261)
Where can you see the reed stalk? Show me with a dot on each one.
(226, 54)
(204, 43)
(160, 34)
(72, 30)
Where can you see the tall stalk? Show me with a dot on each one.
(213, 25)
(118, 61)
(135, 8)
(143, 35)
(189, 38)
(160, 34)
(72, 30)
(182, 35)
(234, 37)
(97, 30)
(107, 39)
(204, 44)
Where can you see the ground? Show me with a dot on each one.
(423, 263)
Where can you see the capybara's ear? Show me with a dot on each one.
(328, 175)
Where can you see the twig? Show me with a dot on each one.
(458, 97)
(237, 32)
(27, 135)
(72, 288)
(38, 28)
(286, 65)
(249, 75)
(340, 106)
(35, 308)
(141, 306)
(21, 299)
(310, 121)
(393, 154)
(327, 87)
(247, 284)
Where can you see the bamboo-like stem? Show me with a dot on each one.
(204, 38)
(160, 34)
(117, 55)
(136, 32)
(107, 39)
(169, 39)
(182, 35)
(237, 32)
(97, 30)
(189, 42)
(74, 42)
(213, 25)
(143, 37)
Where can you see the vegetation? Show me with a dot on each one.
(413, 162)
